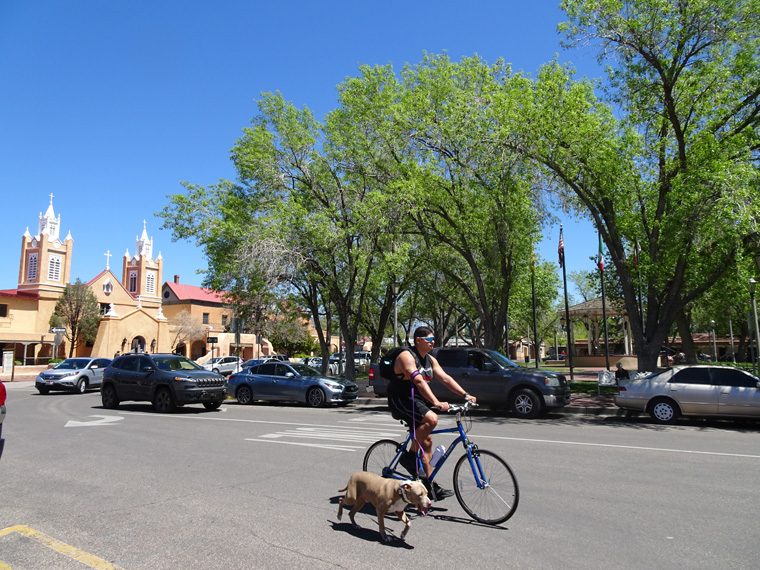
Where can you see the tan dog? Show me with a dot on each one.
(387, 496)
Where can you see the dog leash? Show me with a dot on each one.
(414, 437)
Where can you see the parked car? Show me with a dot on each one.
(252, 362)
(72, 375)
(276, 357)
(494, 380)
(313, 361)
(225, 365)
(283, 381)
(2, 416)
(337, 364)
(166, 380)
(715, 391)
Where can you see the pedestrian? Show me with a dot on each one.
(621, 373)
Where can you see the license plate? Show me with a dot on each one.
(51, 383)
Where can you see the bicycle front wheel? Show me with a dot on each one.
(497, 500)
(379, 457)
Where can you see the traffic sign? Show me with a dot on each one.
(58, 329)
(212, 340)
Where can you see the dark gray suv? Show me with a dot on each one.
(166, 380)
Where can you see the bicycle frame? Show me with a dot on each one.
(477, 470)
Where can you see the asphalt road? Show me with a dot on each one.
(257, 487)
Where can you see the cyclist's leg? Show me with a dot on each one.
(415, 413)
(424, 438)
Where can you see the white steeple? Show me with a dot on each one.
(49, 224)
(144, 244)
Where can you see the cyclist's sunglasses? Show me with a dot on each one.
(428, 338)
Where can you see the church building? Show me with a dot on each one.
(132, 317)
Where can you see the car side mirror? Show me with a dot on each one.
(758, 383)
(148, 369)
(289, 375)
(490, 367)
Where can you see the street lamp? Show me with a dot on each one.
(752, 286)
(715, 348)
(396, 289)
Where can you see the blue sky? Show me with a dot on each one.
(110, 105)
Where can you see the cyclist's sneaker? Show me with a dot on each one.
(435, 491)
(408, 461)
(439, 493)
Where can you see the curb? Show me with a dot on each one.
(586, 410)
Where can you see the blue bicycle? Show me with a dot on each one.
(484, 484)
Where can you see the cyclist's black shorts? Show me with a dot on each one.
(402, 408)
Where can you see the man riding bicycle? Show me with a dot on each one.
(411, 399)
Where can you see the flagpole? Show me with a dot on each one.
(600, 264)
(636, 251)
(533, 287)
(561, 251)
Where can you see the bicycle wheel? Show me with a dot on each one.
(497, 500)
(379, 456)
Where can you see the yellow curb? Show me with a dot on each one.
(58, 546)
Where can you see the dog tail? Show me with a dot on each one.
(343, 489)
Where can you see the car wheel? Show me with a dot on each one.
(215, 405)
(43, 391)
(315, 398)
(664, 411)
(244, 396)
(163, 401)
(81, 386)
(526, 404)
(109, 397)
(215, 370)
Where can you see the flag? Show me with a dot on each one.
(532, 261)
(561, 249)
(600, 257)
(636, 252)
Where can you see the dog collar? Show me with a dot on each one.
(402, 492)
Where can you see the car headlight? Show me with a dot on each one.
(551, 381)
(332, 385)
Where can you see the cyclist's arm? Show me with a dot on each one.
(406, 365)
(449, 382)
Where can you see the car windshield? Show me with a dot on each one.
(72, 364)
(305, 370)
(175, 363)
(502, 360)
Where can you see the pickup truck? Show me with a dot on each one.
(494, 380)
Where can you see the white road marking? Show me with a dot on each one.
(614, 446)
(319, 445)
(104, 421)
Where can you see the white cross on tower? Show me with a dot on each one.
(51, 197)
(108, 258)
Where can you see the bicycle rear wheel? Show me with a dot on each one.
(379, 456)
(497, 500)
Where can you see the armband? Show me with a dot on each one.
(415, 373)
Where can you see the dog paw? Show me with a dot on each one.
(387, 538)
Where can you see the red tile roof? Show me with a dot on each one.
(193, 293)
(19, 294)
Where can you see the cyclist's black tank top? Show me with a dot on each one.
(401, 387)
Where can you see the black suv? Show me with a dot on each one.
(166, 380)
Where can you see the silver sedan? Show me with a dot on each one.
(72, 375)
(707, 391)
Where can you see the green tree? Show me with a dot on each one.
(78, 311)
(678, 172)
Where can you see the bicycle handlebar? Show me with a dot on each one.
(457, 408)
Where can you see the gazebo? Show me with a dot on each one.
(590, 313)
